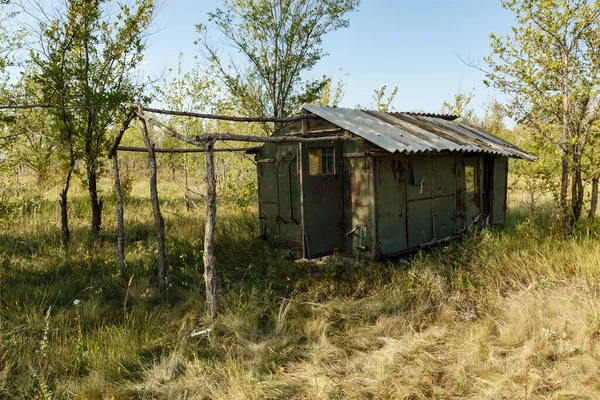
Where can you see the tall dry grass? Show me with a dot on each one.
(508, 312)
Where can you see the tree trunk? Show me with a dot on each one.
(158, 218)
(64, 209)
(564, 148)
(594, 199)
(210, 273)
(95, 202)
(577, 193)
(120, 224)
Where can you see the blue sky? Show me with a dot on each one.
(412, 44)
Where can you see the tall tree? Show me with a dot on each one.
(88, 56)
(549, 67)
(275, 43)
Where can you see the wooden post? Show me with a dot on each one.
(186, 194)
(120, 225)
(160, 222)
(210, 272)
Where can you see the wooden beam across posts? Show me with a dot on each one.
(199, 140)
(145, 150)
(210, 271)
(120, 224)
(223, 117)
(158, 218)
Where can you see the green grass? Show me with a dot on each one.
(504, 313)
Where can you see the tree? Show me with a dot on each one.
(460, 106)
(331, 95)
(88, 56)
(32, 133)
(10, 40)
(381, 103)
(277, 42)
(187, 91)
(549, 67)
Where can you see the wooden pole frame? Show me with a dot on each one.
(119, 213)
(210, 270)
(204, 144)
(158, 218)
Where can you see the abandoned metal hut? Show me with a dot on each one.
(398, 182)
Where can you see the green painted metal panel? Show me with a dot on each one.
(390, 181)
(444, 217)
(289, 227)
(472, 190)
(419, 177)
(359, 206)
(444, 183)
(323, 202)
(267, 203)
(460, 194)
(419, 222)
(444, 196)
(499, 190)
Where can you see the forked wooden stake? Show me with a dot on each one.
(210, 272)
(120, 224)
(160, 222)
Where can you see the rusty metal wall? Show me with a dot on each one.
(390, 192)
(267, 190)
(289, 212)
(500, 189)
(359, 200)
(392, 204)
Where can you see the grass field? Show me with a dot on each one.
(503, 313)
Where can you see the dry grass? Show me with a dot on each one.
(504, 313)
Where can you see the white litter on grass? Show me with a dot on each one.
(202, 332)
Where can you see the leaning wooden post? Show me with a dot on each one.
(120, 225)
(210, 271)
(160, 222)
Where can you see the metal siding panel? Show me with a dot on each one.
(391, 204)
(288, 196)
(267, 195)
(358, 185)
(443, 217)
(419, 223)
(443, 176)
(460, 194)
(499, 200)
(419, 167)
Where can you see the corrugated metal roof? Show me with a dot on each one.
(416, 133)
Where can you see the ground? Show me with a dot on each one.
(509, 312)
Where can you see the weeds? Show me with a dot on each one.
(501, 313)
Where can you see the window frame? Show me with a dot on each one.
(324, 153)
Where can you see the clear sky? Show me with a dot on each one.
(412, 44)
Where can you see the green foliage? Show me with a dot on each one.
(332, 94)
(88, 55)
(381, 103)
(460, 106)
(275, 44)
(549, 67)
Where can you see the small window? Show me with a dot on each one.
(322, 161)
(470, 180)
